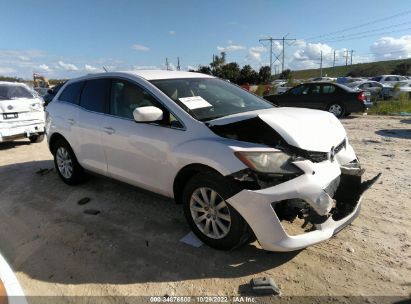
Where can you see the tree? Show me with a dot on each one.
(218, 62)
(230, 71)
(248, 75)
(402, 69)
(286, 74)
(205, 69)
(264, 74)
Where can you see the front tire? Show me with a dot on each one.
(210, 217)
(336, 109)
(66, 163)
(36, 138)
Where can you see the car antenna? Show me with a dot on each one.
(104, 68)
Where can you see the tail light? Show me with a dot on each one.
(361, 96)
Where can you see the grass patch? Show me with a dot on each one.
(389, 107)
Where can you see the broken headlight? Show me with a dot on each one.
(36, 107)
(268, 162)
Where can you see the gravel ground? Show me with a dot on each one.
(132, 246)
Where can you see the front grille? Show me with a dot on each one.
(318, 157)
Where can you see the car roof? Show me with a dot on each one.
(147, 75)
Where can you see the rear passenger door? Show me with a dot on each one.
(329, 94)
(93, 108)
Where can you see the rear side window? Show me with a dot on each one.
(328, 89)
(378, 78)
(72, 92)
(95, 95)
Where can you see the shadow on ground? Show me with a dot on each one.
(406, 121)
(396, 133)
(45, 233)
(13, 144)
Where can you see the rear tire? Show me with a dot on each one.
(336, 109)
(226, 227)
(66, 163)
(36, 138)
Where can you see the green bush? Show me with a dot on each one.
(390, 107)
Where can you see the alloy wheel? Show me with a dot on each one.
(210, 213)
(64, 162)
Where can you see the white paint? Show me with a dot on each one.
(13, 289)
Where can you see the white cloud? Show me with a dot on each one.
(254, 53)
(190, 67)
(392, 48)
(67, 66)
(230, 48)
(172, 33)
(139, 47)
(6, 71)
(44, 67)
(24, 58)
(91, 69)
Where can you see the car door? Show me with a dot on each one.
(295, 97)
(139, 153)
(93, 108)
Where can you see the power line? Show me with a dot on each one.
(360, 25)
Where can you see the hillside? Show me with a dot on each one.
(361, 69)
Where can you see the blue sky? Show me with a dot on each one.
(70, 38)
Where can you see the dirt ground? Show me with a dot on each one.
(132, 246)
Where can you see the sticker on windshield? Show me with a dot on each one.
(195, 102)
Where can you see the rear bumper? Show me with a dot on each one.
(21, 129)
(336, 211)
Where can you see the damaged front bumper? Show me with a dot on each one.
(327, 196)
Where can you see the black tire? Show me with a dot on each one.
(333, 106)
(239, 232)
(78, 174)
(36, 138)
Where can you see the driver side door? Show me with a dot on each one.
(138, 153)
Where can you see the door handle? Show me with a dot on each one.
(109, 130)
(71, 121)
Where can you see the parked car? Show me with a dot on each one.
(239, 165)
(346, 80)
(321, 79)
(22, 113)
(389, 79)
(377, 89)
(51, 93)
(334, 98)
(281, 88)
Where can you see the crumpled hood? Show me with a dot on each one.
(311, 130)
(17, 105)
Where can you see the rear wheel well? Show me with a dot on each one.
(54, 138)
(184, 175)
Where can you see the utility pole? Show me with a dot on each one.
(167, 68)
(334, 59)
(271, 50)
(346, 57)
(352, 51)
(321, 64)
(178, 63)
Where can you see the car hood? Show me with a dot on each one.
(17, 105)
(311, 130)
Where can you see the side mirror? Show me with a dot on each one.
(147, 114)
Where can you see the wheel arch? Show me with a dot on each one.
(53, 139)
(185, 174)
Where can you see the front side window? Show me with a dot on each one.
(14, 92)
(126, 97)
(210, 98)
(95, 95)
(71, 92)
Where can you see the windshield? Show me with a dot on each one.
(210, 98)
(14, 92)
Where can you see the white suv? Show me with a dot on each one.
(241, 167)
(21, 113)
